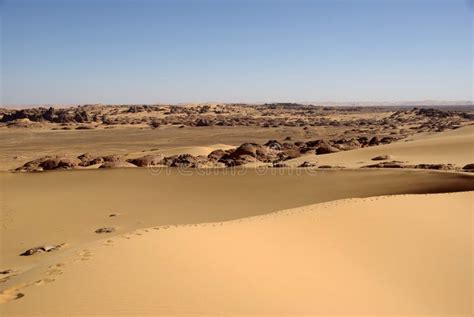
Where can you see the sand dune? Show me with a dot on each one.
(455, 146)
(409, 254)
(67, 207)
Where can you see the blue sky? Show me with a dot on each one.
(73, 52)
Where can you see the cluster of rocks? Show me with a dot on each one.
(401, 164)
(402, 122)
(430, 120)
(72, 115)
(272, 152)
(59, 162)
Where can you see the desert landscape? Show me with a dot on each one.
(236, 158)
(236, 210)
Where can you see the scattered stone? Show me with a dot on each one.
(306, 164)
(436, 166)
(382, 158)
(105, 230)
(40, 249)
(390, 164)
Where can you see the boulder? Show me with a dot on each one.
(68, 162)
(468, 167)
(147, 160)
(374, 141)
(259, 152)
(183, 161)
(288, 154)
(326, 149)
(112, 158)
(387, 140)
(85, 159)
(307, 164)
(49, 164)
(216, 155)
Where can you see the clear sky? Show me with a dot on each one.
(74, 52)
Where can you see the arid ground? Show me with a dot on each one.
(218, 209)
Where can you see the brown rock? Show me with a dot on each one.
(116, 164)
(306, 164)
(147, 160)
(382, 158)
(216, 155)
(105, 230)
(40, 249)
(326, 149)
(468, 166)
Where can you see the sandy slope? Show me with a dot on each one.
(454, 146)
(409, 254)
(193, 150)
(67, 207)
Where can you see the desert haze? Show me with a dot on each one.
(235, 209)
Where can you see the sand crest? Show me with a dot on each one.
(409, 254)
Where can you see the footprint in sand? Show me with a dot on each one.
(109, 243)
(6, 275)
(85, 255)
(44, 281)
(54, 272)
(11, 294)
(14, 293)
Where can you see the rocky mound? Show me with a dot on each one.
(272, 152)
